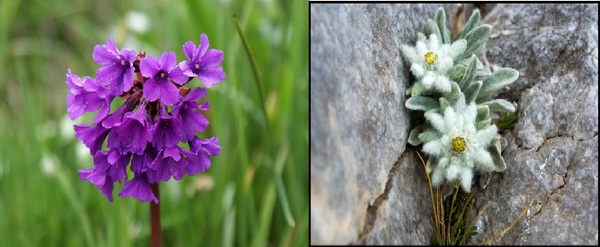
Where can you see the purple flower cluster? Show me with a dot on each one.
(156, 116)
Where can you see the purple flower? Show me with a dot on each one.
(115, 118)
(162, 73)
(202, 149)
(117, 67)
(91, 136)
(132, 134)
(203, 64)
(166, 131)
(139, 188)
(109, 167)
(190, 119)
(140, 162)
(86, 96)
(169, 163)
(145, 131)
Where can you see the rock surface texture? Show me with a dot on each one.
(359, 125)
(367, 187)
(552, 153)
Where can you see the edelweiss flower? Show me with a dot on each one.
(431, 61)
(460, 146)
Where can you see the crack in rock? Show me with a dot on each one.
(372, 209)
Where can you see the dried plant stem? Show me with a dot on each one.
(155, 232)
(435, 212)
(490, 240)
(485, 207)
(450, 216)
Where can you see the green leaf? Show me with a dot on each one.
(443, 104)
(455, 93)
(469, 74)
(483, 123)
(470, 25)
(418, 89)
(483, 112)
(498, 80)
(500, 105)
(495, 149)
(482, 70)
(421, 103)
(433, 27)
(472, 91)
(421, 37)
(440, 20)
(507, 121)
(413, 137)
(429, 134)
(476, 40)
(457, 72)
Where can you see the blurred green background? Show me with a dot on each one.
(255, 193)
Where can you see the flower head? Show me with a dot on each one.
(460, 147)
(430, 61)
(117, 67)
(86, 96)
(147, 129)
(162, 73)
(187, 113)
(203, 63)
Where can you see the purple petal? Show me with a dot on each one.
(166, 132)
(178, 77)
(203, 46)
(107, 190)
(169, 93)
(83, 174)
(151, 89)
(103, 112)
(105, 54)
(127, 79)
(211, 147)
(204, 106)
(139, 188)
(184, 66)
(212, 58)
(173, 153)
(107, 75)
(74, 83)
(128, 55)
(149, 66)
(116, 117)
(132, 135)
(189, 49)
(91, 136)
(168, 61)
(212, 76)
(196, 94)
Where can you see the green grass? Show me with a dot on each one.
(259, 192)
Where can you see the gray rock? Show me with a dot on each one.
(552, 153)
(366, 187)
(359, 125)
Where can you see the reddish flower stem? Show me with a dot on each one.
(155, 232)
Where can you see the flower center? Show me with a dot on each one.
(197, 66)
(122, 62)
(430, 57)
(458, 144)
(162, 74)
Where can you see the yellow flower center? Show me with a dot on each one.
(458, 144)
(430, 57)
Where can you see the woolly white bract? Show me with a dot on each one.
(455, 91)
(460, 147)
(431, 60)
